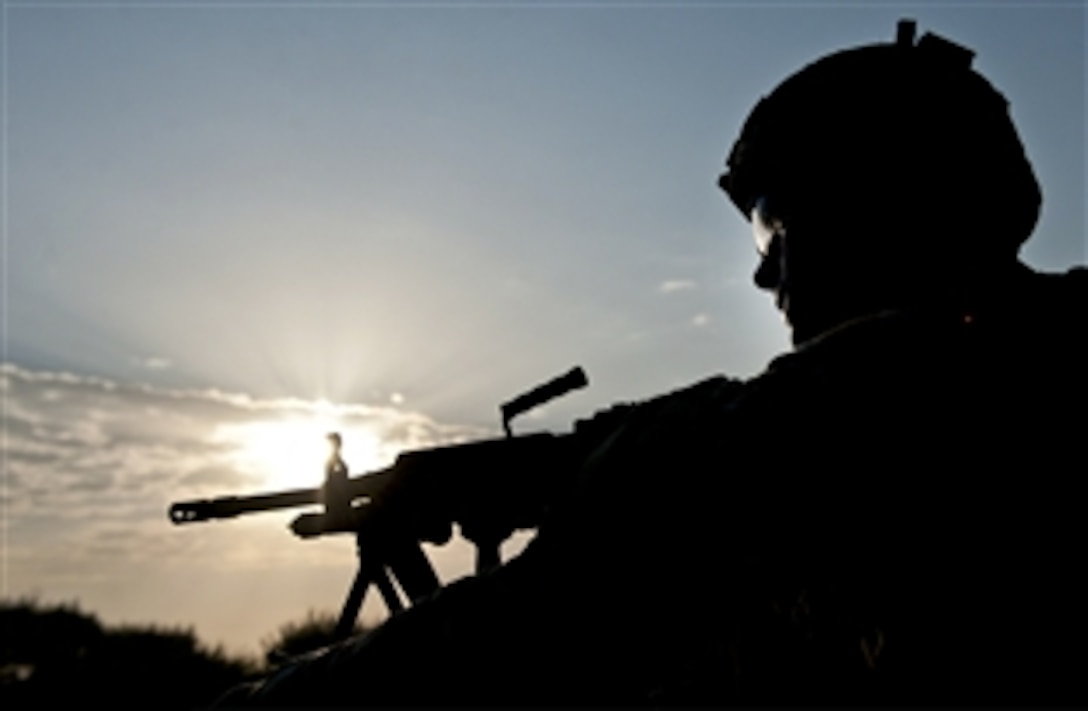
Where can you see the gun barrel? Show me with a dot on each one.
(230, 506)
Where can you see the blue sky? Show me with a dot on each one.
(228, 213)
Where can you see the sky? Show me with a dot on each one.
(229, 228)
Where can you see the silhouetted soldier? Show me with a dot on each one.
(890, 512)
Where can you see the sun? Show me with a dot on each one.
(290, 452)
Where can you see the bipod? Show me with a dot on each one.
(384, 561)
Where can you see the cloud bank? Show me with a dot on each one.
(91, 466)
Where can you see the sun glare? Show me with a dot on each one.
(290, 452)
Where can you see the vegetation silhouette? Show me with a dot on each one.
(57, 654)
(295, 638)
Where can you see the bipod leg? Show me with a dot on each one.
(487, 556)
(487, 553)
(409, 565)
(488, 538)
(370, 571)
(350, 612)
(389, 593)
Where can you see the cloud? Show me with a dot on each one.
(700, 320)
(91, 465)
(65, 431)
(152, 362)
(673, 285)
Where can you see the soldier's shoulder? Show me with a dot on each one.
(852, 347)
(1055, 316)
(1071, 283)
(860, 361)
(1077, 276)
(1072, 286)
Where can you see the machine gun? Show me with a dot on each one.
(490, 488)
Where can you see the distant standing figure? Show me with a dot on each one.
(335, 494)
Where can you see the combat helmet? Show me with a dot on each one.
(906, 129)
